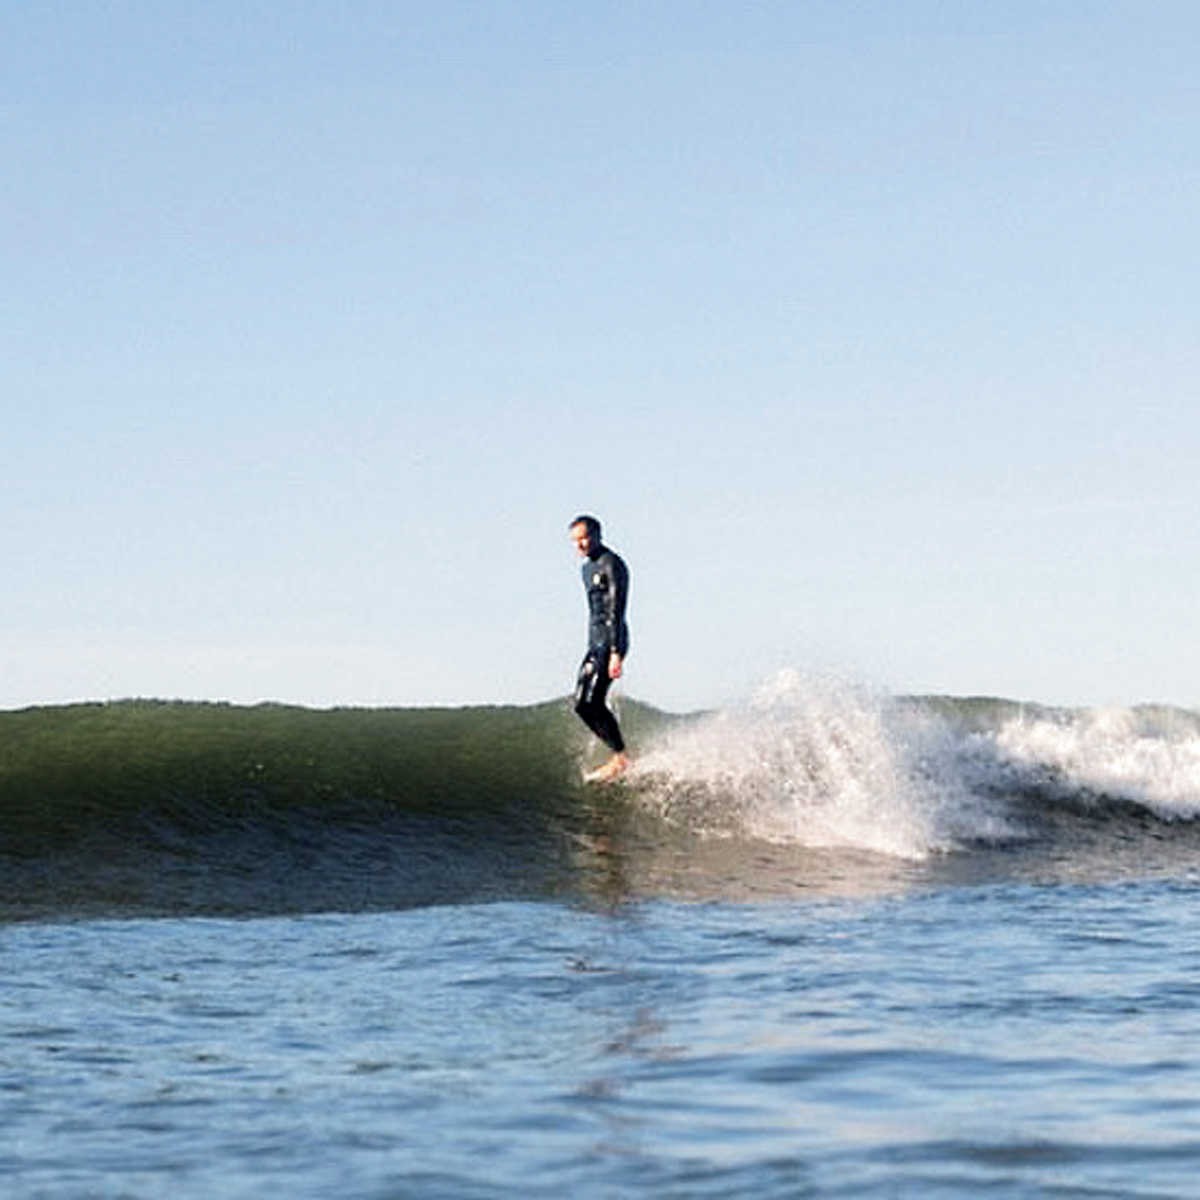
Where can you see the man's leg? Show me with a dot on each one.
(591, 692)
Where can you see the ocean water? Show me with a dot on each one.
(826, 944)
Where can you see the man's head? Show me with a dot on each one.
(585, 533)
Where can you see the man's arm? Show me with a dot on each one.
(618, 594)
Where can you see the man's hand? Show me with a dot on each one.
(614, 665)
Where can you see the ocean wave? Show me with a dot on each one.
(173, 807)
(1149, 758)
(819, 762)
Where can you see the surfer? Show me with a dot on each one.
(606, 582)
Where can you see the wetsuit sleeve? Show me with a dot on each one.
(618, 597)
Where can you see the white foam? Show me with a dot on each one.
(821, 763)
(1149, 759)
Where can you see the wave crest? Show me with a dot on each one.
(820, 762)
(1147, 757)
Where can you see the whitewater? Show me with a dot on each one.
(826, 942)
(819, 763)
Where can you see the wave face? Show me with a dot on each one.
(180, 808)
(171, 808)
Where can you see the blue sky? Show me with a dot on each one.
(868, 329)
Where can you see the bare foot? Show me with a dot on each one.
(613, 769)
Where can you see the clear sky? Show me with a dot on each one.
(868, 328)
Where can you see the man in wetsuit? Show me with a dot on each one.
(606, 581)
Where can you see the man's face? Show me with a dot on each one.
(581, 538)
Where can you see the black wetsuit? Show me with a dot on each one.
(606, 581)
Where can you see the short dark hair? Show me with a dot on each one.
(589, 523)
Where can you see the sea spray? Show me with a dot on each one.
(820, 762)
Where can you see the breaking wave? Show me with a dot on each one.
(156, 807)
(821, 763)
